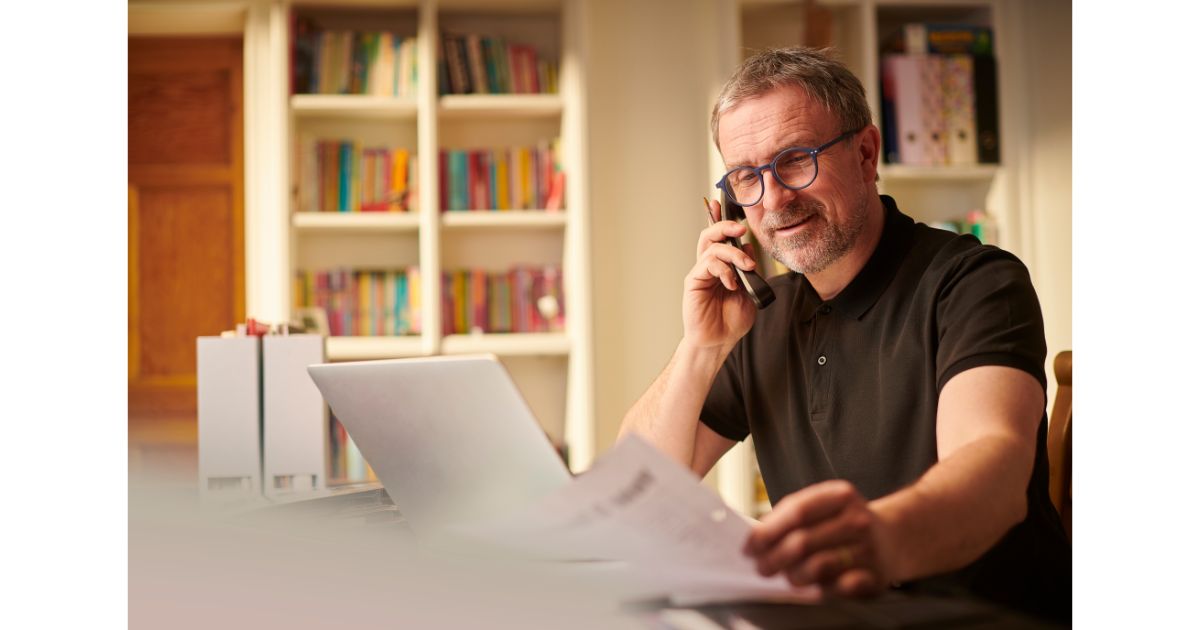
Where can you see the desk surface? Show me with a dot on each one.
(345, 558)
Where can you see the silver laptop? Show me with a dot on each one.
(450, 438)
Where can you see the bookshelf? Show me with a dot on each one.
(857, 29)
(553, 369)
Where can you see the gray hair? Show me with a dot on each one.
(825, 79)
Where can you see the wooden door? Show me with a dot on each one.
(185, 232)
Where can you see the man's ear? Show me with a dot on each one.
(868, 153)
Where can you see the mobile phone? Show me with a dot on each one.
(758, 289)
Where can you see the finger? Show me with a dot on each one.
(857, 583)
(721, 271)
(731, 255)
(717, 233)
(849, 527)
(800, 509)
(825, 567)
(712, 267)
(749, 250)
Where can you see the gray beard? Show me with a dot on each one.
(812, 253)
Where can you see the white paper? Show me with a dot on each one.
(638, 506)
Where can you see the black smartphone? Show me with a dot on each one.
(760, 292)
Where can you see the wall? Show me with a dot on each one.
(651, 82)
(1046, 26)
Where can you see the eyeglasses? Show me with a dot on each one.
(794, 168)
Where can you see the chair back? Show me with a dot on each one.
(1059, 441)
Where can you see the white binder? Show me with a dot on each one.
(229, 431)
(295, 421)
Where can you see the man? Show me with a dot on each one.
(895, 390)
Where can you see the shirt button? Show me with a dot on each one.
(821, 360)
(825, 309)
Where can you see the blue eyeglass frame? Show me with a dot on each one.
(758, 170)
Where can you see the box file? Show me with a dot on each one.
(295, 419)
(228, 401)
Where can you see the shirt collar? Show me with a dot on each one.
(864, 290)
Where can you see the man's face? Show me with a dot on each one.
(809, 229)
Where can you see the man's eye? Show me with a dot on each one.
(744, 178)
(797, 160)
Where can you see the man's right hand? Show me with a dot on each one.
(716, 309)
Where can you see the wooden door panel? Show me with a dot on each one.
(185, 228)
(179, 118)
(185, 274)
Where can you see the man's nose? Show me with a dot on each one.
(775, 195)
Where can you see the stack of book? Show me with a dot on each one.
(344, 176)
(346, 461)
(364, 302)
(976, 222)
(939, 96)
(379, 63)
(475, 64)
(514, 178)
(523, 299)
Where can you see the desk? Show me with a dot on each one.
(346, 560)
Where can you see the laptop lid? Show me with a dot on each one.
(450, 437)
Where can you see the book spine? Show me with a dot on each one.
(933, 114)
(443, 180)
(479, 298)
(489, 64)
(479, 184)
(389, 303)
(368, 179)
(398, 183)
(356, 176)
(400, 306)
(350, 302)
(362, 322)
(344, 160)
(489, 158)
(502, 179)
(958, 100)
(414, 298)
(987, 118)
(447, 303)
(479, 78)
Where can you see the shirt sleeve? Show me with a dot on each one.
(724, 409)
(988, 314)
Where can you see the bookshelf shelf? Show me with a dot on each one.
(356, 105)
(350, 222)
(466, 106)
(511, 219)
(509, 344)
(369, 348)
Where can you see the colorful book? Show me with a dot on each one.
(987, 117)
(958, 102)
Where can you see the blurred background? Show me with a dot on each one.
(520, 177)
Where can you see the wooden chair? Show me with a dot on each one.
(1059, 441)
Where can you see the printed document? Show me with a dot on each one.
(638, 506)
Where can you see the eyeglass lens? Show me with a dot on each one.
(794, 168)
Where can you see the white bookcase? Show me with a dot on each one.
(553, 370)
(933, 193)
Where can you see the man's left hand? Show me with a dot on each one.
(825, 534)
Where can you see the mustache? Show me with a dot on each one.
(793, 213)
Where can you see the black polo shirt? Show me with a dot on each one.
(848, 389)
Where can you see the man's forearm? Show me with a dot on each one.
(668, 413)
(957, 510)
